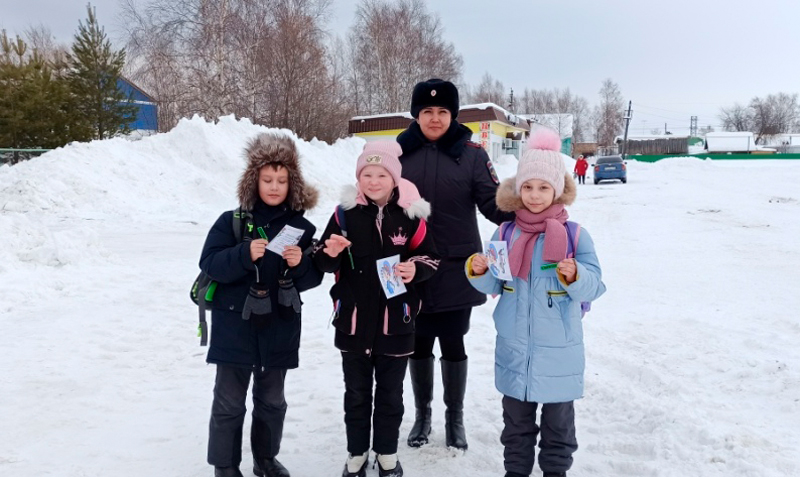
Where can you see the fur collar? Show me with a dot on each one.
(278, 149)
(452, 143)
(509, 201)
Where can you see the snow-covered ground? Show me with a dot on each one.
(693, 367)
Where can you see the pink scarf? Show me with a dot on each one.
(551, 222)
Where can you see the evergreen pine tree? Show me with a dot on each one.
(94, 70)
(37, 108)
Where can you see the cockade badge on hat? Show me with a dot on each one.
(433, 92)
(374, 159)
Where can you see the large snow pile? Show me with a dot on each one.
(693, 366)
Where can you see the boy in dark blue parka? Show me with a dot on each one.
(263, 344)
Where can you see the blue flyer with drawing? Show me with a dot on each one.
(497, 256)
(391, 282)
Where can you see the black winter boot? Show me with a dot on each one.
(554, 474)
(454, 377)
(227, 472)
(422, 382)
(514, 474)
(270, 468)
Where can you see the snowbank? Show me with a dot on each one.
(693, 366)
(183, 176)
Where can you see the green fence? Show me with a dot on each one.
(720, 157)
(13, 156)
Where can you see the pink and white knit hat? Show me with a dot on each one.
(381, 153)
(542, 160)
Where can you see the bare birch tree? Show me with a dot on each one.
(489, 90)
(609, 113)
(261, 59)
(736, 118)
(392, 46)
(767, 116)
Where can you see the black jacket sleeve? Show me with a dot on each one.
(426, 259)
(322, 260)
(305, 275)
(223, 258)
(484, 189)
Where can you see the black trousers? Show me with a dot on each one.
(451, 347)
(389, 372)
(557, 442)
(448, 327)
(228, 411)
(582, 179)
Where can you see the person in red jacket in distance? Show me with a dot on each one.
(581, 166)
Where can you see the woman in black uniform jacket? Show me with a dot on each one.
(454, 175)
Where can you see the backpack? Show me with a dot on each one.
(203, 288)
(573, 233)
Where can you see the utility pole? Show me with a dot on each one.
(511, 101)
(628, 117)
(693, 126)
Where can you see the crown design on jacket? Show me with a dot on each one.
(399, 239)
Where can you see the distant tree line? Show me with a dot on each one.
(602, 124)
(764, 116)
(272, 61)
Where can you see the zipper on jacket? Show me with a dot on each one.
(530, 333)
(379, 222)
(551, 294)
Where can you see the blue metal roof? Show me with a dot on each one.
(147, 110)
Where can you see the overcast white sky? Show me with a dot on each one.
(672, 58)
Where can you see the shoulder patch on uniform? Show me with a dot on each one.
(492, 172)
(474, 144)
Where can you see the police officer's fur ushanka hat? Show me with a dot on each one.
(434, 92)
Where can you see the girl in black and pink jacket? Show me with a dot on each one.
(381, 217)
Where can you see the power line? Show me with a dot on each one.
(662, 109)
(664, 117)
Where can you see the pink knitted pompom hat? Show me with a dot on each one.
(542, 160)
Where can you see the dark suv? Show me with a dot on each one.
(610, 168)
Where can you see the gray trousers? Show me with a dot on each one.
(228, 411)
(557, 441)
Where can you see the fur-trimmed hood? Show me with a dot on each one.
(509, 201)
(416, 208)
(277, 149)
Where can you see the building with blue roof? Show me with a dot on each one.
(146, 122)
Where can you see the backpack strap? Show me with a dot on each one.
(507, 231)
(340, 220)
(419, 235)
(573, 232)
(202, 327)
(242, 219)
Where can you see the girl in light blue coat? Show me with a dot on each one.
(539, 356)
